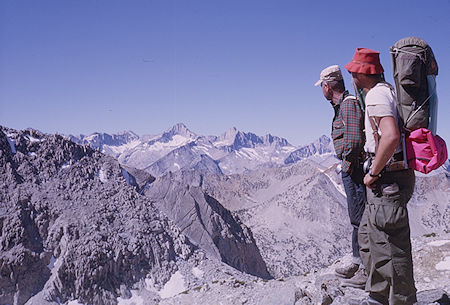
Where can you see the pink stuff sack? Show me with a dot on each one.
(425, 151)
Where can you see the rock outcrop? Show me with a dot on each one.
(207, 223)
(71, 227)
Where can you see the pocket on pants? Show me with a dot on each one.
(387, 217)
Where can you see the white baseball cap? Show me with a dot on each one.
(331, 73)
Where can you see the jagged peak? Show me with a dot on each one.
(270, 139)
(237, 138)
(230, 133)
(324, 138)
(127, 132)
(179, 129)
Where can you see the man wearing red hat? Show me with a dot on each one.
(384, 233)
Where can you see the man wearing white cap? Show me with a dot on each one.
(348, 139)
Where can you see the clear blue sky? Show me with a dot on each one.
(79, 66)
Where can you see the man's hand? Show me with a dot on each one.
(369, 181)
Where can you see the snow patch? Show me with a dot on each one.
(32, 139)
(176, 141)
(32, 154)
(444, 265)
(123, 148)
(102, 175)
(227, 142)
(74, 302)
(438, 243)
(177, 165)
(251, 154)
(12, 144)
(149, 284)
(51, 264)
(146, 186)
(134, 300)
(340, 188)
(288, 149)
(173, 287)
(203, 149)
(66, 165)
(198, 273)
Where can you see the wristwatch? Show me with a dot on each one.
(375, 176)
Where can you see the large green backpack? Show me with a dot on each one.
(415, 69)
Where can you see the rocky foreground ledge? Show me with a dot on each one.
(431, 257)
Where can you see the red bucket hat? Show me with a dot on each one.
(365, 61)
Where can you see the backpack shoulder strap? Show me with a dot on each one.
(350, 97)
(375, 133)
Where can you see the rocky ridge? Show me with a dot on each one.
(104, 141)
(208, 224)
(322, 146)
(73, 225)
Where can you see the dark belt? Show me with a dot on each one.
(395, 166)
(396, 162)
(396, 157)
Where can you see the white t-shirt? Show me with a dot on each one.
(380, 102)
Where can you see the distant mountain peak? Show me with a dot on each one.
(179, 129)
(324, 139)
(322, 145)
(236, 139)
(128, 133)
(270, 139)
(98, 139)
(230, 134)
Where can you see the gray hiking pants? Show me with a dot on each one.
(384, 239)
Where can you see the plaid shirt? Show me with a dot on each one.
(348, 131)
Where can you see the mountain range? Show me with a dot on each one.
(179, 148)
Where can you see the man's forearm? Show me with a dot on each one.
(386, 149)
(387, 145)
